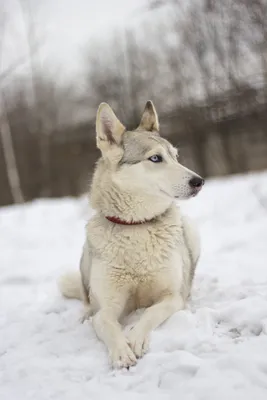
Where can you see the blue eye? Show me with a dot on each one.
(156, 158)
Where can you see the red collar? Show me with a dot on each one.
(119, 221)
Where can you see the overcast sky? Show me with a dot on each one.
(65, 26)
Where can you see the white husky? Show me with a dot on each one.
(139, 252)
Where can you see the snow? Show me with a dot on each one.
(213, 350)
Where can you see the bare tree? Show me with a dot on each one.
(7, 143)
(36, 74)
(10, 158)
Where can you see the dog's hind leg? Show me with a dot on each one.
(85, 270)
(88, 310)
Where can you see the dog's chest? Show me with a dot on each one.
(138, 251)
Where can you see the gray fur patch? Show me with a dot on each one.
(136, 144)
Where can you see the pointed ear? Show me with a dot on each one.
(109, 129)
(149, 120)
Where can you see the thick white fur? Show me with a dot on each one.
(70, 286)
(125, 267)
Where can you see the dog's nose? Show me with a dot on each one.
(196, 182)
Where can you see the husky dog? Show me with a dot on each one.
(139, 251)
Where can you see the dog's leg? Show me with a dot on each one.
(88, 310)
(85, 269)
(154, 316)
(109, 330)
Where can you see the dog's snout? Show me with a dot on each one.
(196, 182)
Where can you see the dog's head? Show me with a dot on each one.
(140, 163)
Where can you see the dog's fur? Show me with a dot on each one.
(148, 265)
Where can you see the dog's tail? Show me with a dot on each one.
(70, 285)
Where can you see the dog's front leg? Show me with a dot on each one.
(108, 329)
(154, 316)
(107, 326)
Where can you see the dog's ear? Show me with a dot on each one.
(109, 129)
(149, 121)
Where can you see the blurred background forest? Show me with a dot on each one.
(202, 62)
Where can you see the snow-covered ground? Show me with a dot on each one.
(214, 350)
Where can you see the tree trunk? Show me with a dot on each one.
(10, 158)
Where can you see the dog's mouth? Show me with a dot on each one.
(166, 193)
(195, 191)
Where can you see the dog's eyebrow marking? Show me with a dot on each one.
(134, 152)
(130, 162)
(168, 146)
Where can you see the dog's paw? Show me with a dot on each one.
(138, 341)
(87, 314)
(122, 356)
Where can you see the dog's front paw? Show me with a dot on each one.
(138, 341)
(122, 356)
